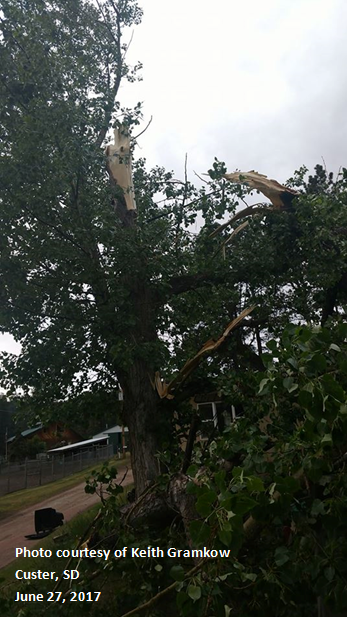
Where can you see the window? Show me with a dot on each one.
(215, 417)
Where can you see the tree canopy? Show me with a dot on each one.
(100, 300)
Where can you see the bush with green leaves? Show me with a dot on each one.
(273, 487)
(271, 490)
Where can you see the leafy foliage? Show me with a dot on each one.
(271, 490)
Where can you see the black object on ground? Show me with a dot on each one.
(46, 520)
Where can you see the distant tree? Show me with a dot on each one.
(87, 413)
(7, 425)
(22, 448)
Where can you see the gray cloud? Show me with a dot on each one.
(259, 85)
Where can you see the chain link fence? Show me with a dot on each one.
(31, 473)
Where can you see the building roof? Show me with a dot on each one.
(113, 429)
(78, 444)
(27, 432)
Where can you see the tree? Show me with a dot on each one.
(7, 411)
(64, 64)
(26, 448)
(86, 291)
(100, 299)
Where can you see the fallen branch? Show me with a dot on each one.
(141, 498)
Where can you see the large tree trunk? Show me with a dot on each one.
(141, 413)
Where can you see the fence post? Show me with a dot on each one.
(26, 472)
(52, 465)
(80, 460)
(63, 465)
(40, 471)
(8, 477)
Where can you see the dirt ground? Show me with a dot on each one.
(72, 502)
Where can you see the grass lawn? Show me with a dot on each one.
(14, 502)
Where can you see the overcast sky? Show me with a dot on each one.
(261, 84)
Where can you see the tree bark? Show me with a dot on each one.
(141, 414)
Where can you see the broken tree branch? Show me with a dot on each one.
(240, 215)
(166, 390)
(119, 165)
(229, 239)
(280, 196)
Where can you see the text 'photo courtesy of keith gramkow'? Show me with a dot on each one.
(101, 554)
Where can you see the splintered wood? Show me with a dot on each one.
(167, 390)
(280, 196)
(119, 165)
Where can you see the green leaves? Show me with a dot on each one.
(289, 384)
(262, 386)
(272, 345)
(282, 555)
(205, 501)
(218, 171)
(286, 485)
(194, 592)
(255, 484)
(317, 364)
(327, 440)
(317, 508)
(200, 532)
(329, 573)
(286, 472)
(177, 573)
(243, 504)
(332, 388)
(225, 535)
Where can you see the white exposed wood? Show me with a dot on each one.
(165, 390)
(119, 164)
(272, 189)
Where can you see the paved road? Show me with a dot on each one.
(72, 502)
